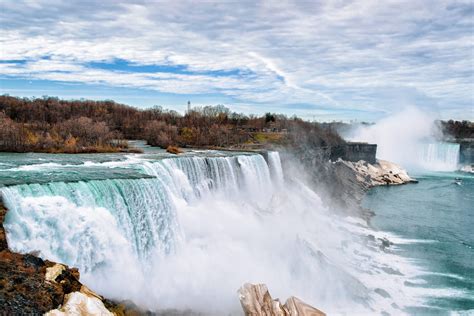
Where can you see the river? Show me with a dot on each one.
(433, 222)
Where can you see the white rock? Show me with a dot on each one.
(256, 301)
(53, 272)
(80, 304)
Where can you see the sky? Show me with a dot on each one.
(321, 60)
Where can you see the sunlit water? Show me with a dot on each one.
(436, 220)
(186, 232)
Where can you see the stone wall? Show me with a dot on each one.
(352, 151)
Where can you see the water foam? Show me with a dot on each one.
(440, 156)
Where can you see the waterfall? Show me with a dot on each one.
(195, 228)
(141, 209)
(440, 156)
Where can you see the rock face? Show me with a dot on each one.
(355, 151)
(256, 301)
(342, 184)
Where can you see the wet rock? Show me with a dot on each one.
(174, 150)
(391, 271)
(256, 301)
(3, 237)
(385, 243)
(382, 292)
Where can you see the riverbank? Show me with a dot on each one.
(87, 150)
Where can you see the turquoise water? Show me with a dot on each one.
(435, 220)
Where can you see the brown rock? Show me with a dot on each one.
(3, 237)
(173, 150)
(295, 306)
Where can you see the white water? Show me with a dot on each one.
(440, 156)
(190, 237)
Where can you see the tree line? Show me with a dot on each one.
(458, 129)
(50, 124)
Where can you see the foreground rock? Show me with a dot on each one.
(30, 285)
(256, 301)
(80, 303)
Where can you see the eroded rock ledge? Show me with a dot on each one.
(257, 301)
(381, 173)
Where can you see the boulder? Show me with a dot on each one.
(257, 301)
(174, 150)
(381, 173)
(81, 304)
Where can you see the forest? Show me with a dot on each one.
(459, 130)
(49, 124)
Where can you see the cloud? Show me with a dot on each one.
(343, 55)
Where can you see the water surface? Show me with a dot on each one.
(435, 219)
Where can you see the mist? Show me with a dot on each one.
(410, 138)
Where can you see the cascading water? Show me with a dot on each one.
(201, 227)
(440, 156)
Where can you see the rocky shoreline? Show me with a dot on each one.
(33, 286)
(347, 183)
